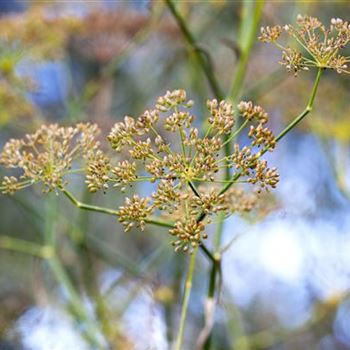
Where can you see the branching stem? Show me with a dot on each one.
(114, 212)
(186, 298)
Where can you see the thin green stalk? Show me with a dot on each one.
(206, 252)
(89, 273)
(186, 298)
(194, 189)
(160, 223)
(235, 134)
(182, 143)
(218, 234)
(203, 62)
(249, 25)
(251, 17)
(307, 109)
(113, 212)
(23, 246)
(90, 207)
(287, 129)
(252, 11)
(215, 269)
(91, 330)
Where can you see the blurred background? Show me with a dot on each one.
(286, 270)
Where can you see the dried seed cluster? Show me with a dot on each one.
(47, 156)
(162, 147)
(183, 169)
(320, 45)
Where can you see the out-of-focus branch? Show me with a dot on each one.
(202, 60)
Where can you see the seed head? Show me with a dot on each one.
(47, 155)
(173, 99)
(163, 148)
(97, 171)
(189, 235)
(322, 45)
(270, 34)
(125, 173)
(135, 210)
(222, 116)
(252, 112)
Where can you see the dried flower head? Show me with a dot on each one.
(270, 34)
(189, 234)
(134, 210)
(293, 61)
(97, 171)
(125, 172)
(320, 46)
(252, 112)
(178, 168)
(240, 201)
(161, 147)
(222, 118)
(47, 155)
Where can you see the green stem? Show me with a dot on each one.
(90, 207)
(89, 272)
(234, 135)
(91, 330)
(182, 143)
(207, 253)
(22, 246)
(113, 212)
(194, 189)
(215, 267)
(219, 231)
(252, 11)
(248, 30)
(305, 112)
(186, 298)
(214, 85)
(287, 129)
(160, 223)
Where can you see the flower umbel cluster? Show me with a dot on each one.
(47, 155)
(163, 147)
(319, 45)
